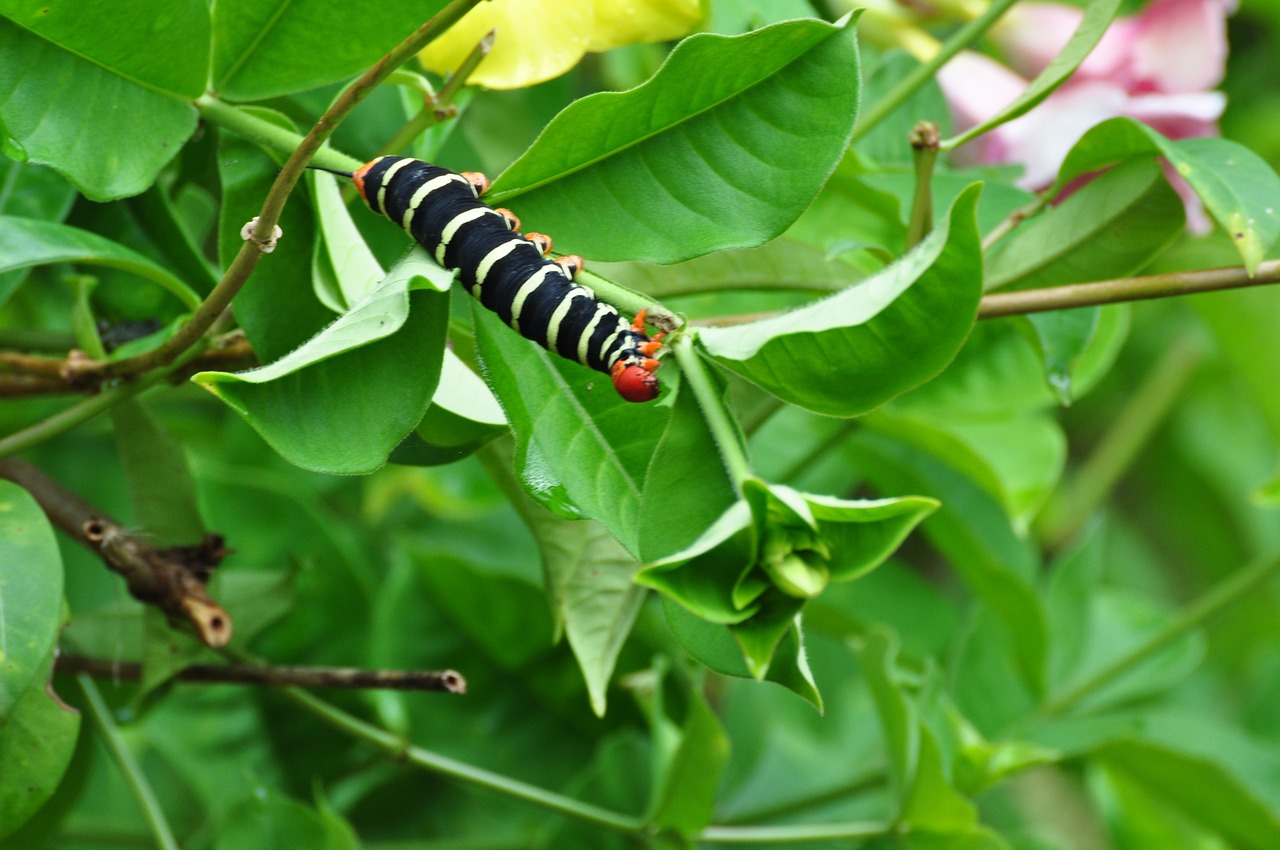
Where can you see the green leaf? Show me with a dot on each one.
(703, 156)
(463, 417)
(30, 594)
(37, 738)
(274, 48)
(1097, 18)
(1237, 186)
(30, 191)
(927, 801)
(853, 351)
(1062, 336)
(1212, 788)
(686, 792)
(27, 242)
(133, 86)
(342, 401)
(716, 647)
(580, 448)
(974, 535)
(266, 820)
(780, 265)
(589, 579)
(1111, 228)
(161, 488)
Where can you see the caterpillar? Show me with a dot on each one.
(509, 272)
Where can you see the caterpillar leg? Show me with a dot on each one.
(479, 183)
(513, 222)
(541, 241)
(571, 264)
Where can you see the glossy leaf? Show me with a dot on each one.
(30, 594)
(1237, 187)
(661, 163)
(853, 351)
(264, 50)
(138, 103)
(28, 242)
(267, 820)
(342, 401)
(1112, 227)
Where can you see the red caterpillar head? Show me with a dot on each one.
(636, 383)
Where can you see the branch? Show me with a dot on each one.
(172, 579)
(447, 681)
(999, 304)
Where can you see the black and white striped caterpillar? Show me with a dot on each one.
(509, 272)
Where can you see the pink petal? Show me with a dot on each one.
(1180, 46)
(1179, 116)
(977, 87)
(1031, 34)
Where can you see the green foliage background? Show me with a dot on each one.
(1076, 648)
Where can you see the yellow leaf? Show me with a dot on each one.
(541, 39)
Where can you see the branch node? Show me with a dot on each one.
(267, 245)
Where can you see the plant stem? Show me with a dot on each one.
(718, 420)
(999, 304)
(446, 766)
(137, 781)
(1225, 594)
(924, 150)
(922, 74)
(1015, 218)
(794, 832)
(1097, 476)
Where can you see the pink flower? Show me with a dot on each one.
(1158, 67)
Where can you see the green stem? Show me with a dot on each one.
(924, 150)
(1226, 593)
(1098, 475)
(997, 304)
(438, 106)
(265, 134)
(446, 766)
(628, 300)
(136, 779)
(922, 74)
(1015, 218)
(794, 832)
(724, 433)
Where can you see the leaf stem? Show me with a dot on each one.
(726, 436)
(401, 749)
(787, 833)
(136, 779)
(925, 72)
(1015, 218)
(1097, 476)
(1226, 593)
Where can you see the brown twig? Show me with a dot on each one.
(172, 579)
(28, 376)
(447, 681)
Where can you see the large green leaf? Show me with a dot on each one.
(723, 147)
(853, 351)
(129, 74)
(27, 242)
(343, 400)
(30, 593)
(582, 450)
(279, 47)
(1239, 188)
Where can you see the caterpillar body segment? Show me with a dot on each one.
(509, 272)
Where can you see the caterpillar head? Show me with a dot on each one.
(636, 382)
